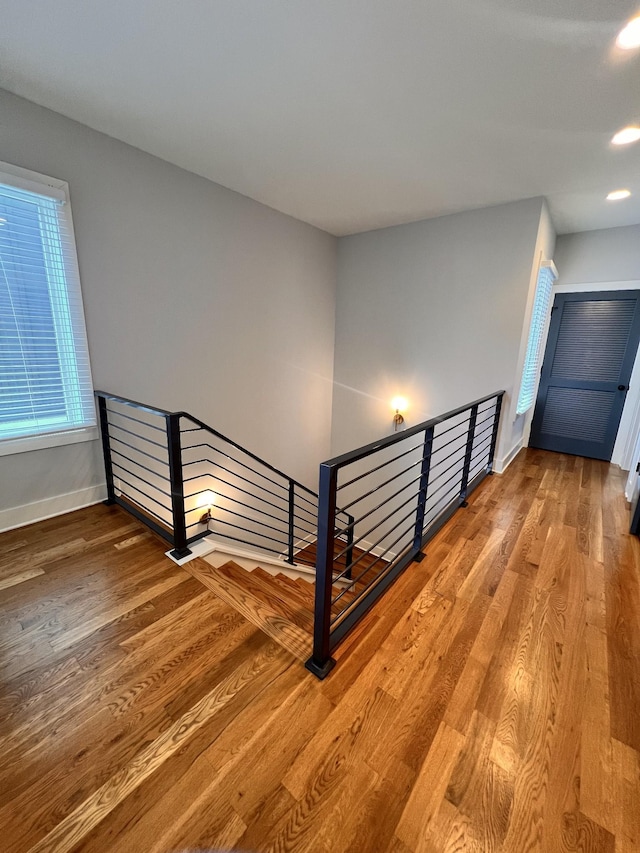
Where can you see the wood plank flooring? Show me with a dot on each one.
(488, 703)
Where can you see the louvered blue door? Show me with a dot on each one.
(592, 344)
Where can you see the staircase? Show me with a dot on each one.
(186, 481)
(278, 605)
(281, 606)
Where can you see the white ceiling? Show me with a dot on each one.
(351, 114)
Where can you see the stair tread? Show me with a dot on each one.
(299, 608)
(287, 580)
(281, 579)
(267, 588)
(303, 594)
(230, 587)
(297, 586)
(301, 583)
(307, 590)
(277, 595)
(302, 590)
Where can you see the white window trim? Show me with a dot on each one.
(27, 179)
(9, 446)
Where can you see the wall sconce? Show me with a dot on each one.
(206, 501)
(400, 406)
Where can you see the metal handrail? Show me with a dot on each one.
(376, 564)
(202, 425)
(375, 446)
(336, 615)
(296, 498)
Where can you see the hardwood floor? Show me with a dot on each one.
(488, 703)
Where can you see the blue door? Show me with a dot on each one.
(591, 348)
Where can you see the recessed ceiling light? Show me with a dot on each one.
(617, 195)
(627, 135)
(629, 36)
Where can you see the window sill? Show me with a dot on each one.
(9, 446)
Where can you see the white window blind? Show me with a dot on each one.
(533, 358)
(45, 377)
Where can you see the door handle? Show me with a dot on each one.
(623, 387)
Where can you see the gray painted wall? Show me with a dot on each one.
(612, 254)
(196, 298)
(435, 311)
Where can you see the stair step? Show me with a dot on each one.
(300, 588)
(280, 579)
(306, 591)
(229, 582)
(298, 607)
(268, 589)
(304, 596)
(292, 592)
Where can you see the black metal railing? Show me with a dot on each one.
(185, 480)
(399, 491)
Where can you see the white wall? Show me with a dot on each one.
(196, 298)
(435, 311)
(544, 251)
(612, 254)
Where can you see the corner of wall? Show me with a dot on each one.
(543, 249)
(503, 462)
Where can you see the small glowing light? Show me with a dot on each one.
(629, 35)
(626, 135)
(399, 404)
(206, 499)
(617, 195)
(3, 221)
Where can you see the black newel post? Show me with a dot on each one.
(106, 450)
(174, 448)
(494, 435)
(292, 500)
(321, 663)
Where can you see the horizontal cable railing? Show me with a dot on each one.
(399, 492)
(186, 480)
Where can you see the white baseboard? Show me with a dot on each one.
(20, 516)
(503, 463)
(219, 552)
(200, 548)
(377, 551)
(303, 543)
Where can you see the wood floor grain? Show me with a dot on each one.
(488, 704)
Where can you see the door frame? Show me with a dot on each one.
(629, 429)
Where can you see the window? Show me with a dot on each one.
(45, 377)
(533, 359)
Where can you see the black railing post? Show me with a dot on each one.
(422, 493)
(473, 417)
(106, 450)
(349, 551)
(321, 662)
(174, 447)
(494, 435)
(290, 548)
